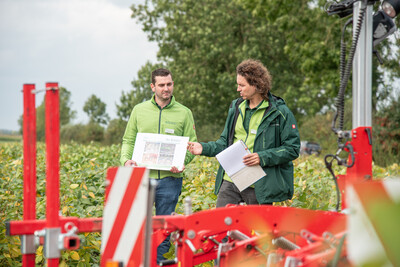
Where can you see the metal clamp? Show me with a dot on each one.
(330, 239)
(69, 240)
(51, 237)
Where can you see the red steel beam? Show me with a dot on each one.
(29, 139)
(52, 132)
(28, 227)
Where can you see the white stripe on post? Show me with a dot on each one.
(134, 223)
(114, 201)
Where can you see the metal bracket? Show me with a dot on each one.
(51, 237)
(44, 90)
(28, 244)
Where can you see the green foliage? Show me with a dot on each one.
(66, 114)
(9, 138)
(198, 184)
(80, 133)
(74, 132)
(115, 131)
(82, 175)
(386, 134)
(193, 40)
(203, 41)
(313, 188)
(318, 128)
(95, 132)
(96, 110)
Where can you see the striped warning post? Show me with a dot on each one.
(124, 216)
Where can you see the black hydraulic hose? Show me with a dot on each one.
(328, 165)
(343, 48)
(345, 73)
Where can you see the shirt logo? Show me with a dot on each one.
(293, 126)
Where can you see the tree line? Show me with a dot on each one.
(202, 42)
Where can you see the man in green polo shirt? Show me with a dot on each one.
(162, 115)
(268, 128)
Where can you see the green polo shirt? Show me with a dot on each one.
(248, 113)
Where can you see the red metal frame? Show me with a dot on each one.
(362, 168)
(29, 139)
(28, 227)
(199, 235)
(199, 232)
(29, 224)
(52, 131)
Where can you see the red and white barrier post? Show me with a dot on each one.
(127, 218)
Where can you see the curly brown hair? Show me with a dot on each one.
(256, 74)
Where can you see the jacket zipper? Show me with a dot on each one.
(159, 131)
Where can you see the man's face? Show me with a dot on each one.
(163, 88)
(247, 91)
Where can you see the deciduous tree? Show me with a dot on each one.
(203, 41)
(96, 110)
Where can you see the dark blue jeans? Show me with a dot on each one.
(166, 197)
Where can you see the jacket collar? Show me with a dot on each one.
(263, 105)
(170, 104)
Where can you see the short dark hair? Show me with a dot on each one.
(256, 74)
(159, 72)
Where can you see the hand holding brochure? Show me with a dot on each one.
(231, 159)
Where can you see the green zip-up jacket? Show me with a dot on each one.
(148, 117)
(277, 143)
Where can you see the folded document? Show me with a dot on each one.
(231, 159)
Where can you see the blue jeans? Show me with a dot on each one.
(166, 197)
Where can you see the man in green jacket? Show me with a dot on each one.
(268, 128)
(162, 115)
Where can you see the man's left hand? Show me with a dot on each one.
(251, 159)
(176, 170)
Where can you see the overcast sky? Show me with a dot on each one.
(87, 46)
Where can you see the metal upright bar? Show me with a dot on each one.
(29, 203)
(52, 131)
(361, 134)
(149, 224)
(362, 97)
(362, 70)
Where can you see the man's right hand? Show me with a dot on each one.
(195, 148)
(130, 163)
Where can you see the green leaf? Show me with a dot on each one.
(73, 186)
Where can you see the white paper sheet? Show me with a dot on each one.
(159, 151)
(231, 159)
